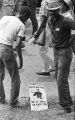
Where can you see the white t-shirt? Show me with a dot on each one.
(10, 28)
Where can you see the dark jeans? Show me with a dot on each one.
(73, 45)
(63, 58)
(34, 20)
(8, 60)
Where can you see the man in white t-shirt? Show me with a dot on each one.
(11, 28)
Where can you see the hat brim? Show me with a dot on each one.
(51, 9)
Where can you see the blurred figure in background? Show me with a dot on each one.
(32, 4)
(68, 11)
(1, 4)
(7, 7)
(47, 61)
(73, 5)
(67, 8)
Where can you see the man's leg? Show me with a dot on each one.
(46, 61)
(12, 67)
(34, 21)
(64, 62)
(2, 75)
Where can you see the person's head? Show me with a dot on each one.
(24, 13)
(54, 7)
(66, 5)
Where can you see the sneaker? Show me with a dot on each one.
(14, 104)
(44, 73)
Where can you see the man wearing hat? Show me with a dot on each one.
(60, 27)
(11, 28)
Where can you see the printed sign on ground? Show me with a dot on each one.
(38, 99)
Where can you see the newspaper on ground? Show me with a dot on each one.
(38, 98)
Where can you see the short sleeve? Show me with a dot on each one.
(21, 31)
(70, 23)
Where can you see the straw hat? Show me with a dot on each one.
(53, 5)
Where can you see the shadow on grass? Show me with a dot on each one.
(46, 79)
(22, 106)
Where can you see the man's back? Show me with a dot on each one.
(9, 28)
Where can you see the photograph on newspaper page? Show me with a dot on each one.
(38, 98)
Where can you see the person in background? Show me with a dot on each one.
(67, 8)
(61, 32)
(73, 6)
(17, 4)
(68, 11)
(7, 7)
(1, 4)
(12, 27)
(47, 63)
(32, 4)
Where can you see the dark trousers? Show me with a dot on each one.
(8, 60)
(34, 20)
(73, 43)
(63, 58)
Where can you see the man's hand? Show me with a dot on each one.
(20, 63)
(17, 46)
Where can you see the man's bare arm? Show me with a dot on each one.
(41, 27)
(17, 47)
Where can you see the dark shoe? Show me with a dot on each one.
(52, 70)
(3, 102)
(67, 109)
(44, 73)
(71, 103)
(14, 104)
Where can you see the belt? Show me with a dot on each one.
(6, 45)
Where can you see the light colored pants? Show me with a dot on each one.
(46, 60)
(8, 60)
